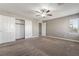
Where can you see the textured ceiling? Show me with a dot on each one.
(25, 10)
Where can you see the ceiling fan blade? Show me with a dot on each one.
(42, 10)
(47, 11)
(49, 14)
(36, 11)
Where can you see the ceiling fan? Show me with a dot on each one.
(43, 13)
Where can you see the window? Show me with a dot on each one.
(74, 25)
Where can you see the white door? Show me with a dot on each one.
(43, 29)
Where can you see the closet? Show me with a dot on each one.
(7, 29)
(20, 29)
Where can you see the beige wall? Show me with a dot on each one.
(60, 27)
(35, 28)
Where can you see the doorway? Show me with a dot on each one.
(20, 29)
(40, 29)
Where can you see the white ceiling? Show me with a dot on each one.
(25, 10)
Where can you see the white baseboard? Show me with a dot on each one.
(34, 36)
(31, 37)
(63, 39)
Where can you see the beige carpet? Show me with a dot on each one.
(41, 46)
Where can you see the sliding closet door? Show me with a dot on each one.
(7, 29)
(1, 29)
(20, 29)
